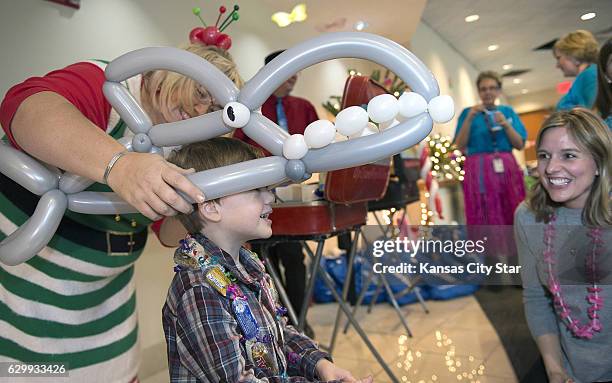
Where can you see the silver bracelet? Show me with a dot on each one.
(112, 163)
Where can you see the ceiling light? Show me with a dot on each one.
(471, 18)
(588, 16)
(524, 91)
(298, 13)
(493, 47)
(360, 25)
(507, 66)
(516, 81)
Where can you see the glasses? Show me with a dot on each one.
(488, 89)
(203, 97)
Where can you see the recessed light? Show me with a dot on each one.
(471, 18)
(360, 25)
(588, 16)
(493, 47)
(507, 66)
(516, 81)
(524, 91)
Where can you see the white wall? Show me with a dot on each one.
(532, 101)
(455, 74)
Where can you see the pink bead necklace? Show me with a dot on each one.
(581, 331)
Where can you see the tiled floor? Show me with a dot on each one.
(453, 343)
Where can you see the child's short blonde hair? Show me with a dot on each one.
(210, 154)
(165, 88)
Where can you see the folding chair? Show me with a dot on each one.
(344, 210)
(401, 190)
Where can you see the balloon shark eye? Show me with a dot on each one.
(236, 115)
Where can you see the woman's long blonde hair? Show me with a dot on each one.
(592, 136)
(163, 88)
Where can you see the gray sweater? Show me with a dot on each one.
(584, 360)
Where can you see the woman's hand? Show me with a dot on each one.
(326, 370)
(475, 110)
(501, 119)
(148, 182)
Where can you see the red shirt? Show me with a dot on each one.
(300, 113)
(80, 84)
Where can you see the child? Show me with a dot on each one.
(222, 319)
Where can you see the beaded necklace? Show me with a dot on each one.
(596, 301)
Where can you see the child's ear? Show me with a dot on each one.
(210, 211)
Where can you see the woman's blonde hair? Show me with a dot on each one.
(162, 89)
(210, 154)
(592, 136)
(579, 44)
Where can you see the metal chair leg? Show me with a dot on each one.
(375, 297)
(281, 290)
(347, 311)
(310, 286)
(364, 290)
(395, 305)
(345, 287)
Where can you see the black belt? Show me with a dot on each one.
(111, 242)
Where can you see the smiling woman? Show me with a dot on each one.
(564, 228)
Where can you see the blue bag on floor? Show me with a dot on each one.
(444, 292)
(337, 268)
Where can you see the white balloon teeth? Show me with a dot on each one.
(351, 121)
(385, 109)
(295, 147)
(441, 109)
(411, 104)
(319, 134)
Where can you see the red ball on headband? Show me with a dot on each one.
(210, 35)
(224, 41)
(196, 35)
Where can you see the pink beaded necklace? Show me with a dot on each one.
(581, 331)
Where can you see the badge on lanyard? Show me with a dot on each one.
(245, 317)
(262, 356)
(217, 279)
(498, 165)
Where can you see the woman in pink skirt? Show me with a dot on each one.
(493, 186)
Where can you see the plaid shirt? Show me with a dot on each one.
(205, 342)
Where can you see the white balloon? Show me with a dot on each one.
(351, 120)
(319, 133)
(411, 104)
(370, 128)
(236, 115)
(441, 108)
(389, 124)
(383, 108)
(295, 147)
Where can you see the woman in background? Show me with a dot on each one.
(576, 55)
(493, 185)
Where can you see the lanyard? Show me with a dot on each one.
(491, 131)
